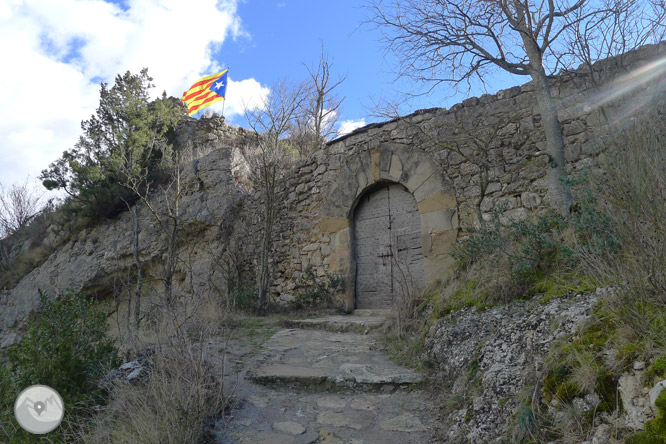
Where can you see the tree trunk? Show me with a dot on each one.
(137, 262)
(266, 241)
(558, 191)
(171, 261)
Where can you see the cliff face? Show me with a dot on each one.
(100, 260)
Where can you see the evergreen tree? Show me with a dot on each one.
(125, 141)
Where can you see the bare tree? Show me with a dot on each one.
(18, 206)
(315, 121)
(269, 157)
(462, 41)
(323, 104)
(625, 25)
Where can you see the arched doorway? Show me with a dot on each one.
(387, 246)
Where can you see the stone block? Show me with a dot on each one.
(374, 165)
(530, 200)
(417, 174)
(433, 184)
(440, 220)
(339, 260)
(426, 242)
(573, 127)
(438, 201)
(487, 204)
(515, 215)
(311, 247)
(526, 124)
(506, 203)
(333, 224)
(340, 239)
(438, 261)
(385, 156)
(395, 172)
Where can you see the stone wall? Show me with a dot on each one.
(432, 153)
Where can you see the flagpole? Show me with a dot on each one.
(224, 102)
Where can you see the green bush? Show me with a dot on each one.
(657, 369)
(245, 296)
(539, 248)
(318, 292)
(124, 148)
(527, 418)
(65, 347)
(482, 242)
(512, 259)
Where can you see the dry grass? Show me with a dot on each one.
(172, 405)
(183, 392)
(571, 425)
(634, 195)
(585, 373)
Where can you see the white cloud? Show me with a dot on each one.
(347, 126)
(55, 53)
(246, 93)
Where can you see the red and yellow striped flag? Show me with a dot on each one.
(206, 91)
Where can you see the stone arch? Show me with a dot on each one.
(421, 175)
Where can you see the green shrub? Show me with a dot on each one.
(245, 296)
(481, 243)
(65, 347)
(594, 229)
(539, 250)
(511, 260)
(657, 369)
(528, 419)
(318, 291)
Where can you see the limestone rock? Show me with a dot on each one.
(337, 420)
(290, 427)
(90, 261)
(635, 403)
(500, 349)
(656, 391)
(403, 423)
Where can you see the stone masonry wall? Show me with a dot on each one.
(428, 152)
(423, 152)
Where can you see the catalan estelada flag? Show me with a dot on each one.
(206, 91)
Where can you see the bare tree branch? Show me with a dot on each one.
(18, 206)
(269, 157)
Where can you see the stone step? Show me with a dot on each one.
(360, 321)
(320, 357)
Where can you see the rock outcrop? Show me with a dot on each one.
(98, 259)
(490, 357)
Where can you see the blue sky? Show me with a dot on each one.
(56, 52)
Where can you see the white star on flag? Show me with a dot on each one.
(219, 85)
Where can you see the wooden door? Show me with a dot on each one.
(387, 247)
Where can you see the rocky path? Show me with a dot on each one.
(323, 380)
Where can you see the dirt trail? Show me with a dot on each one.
(321, 380)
